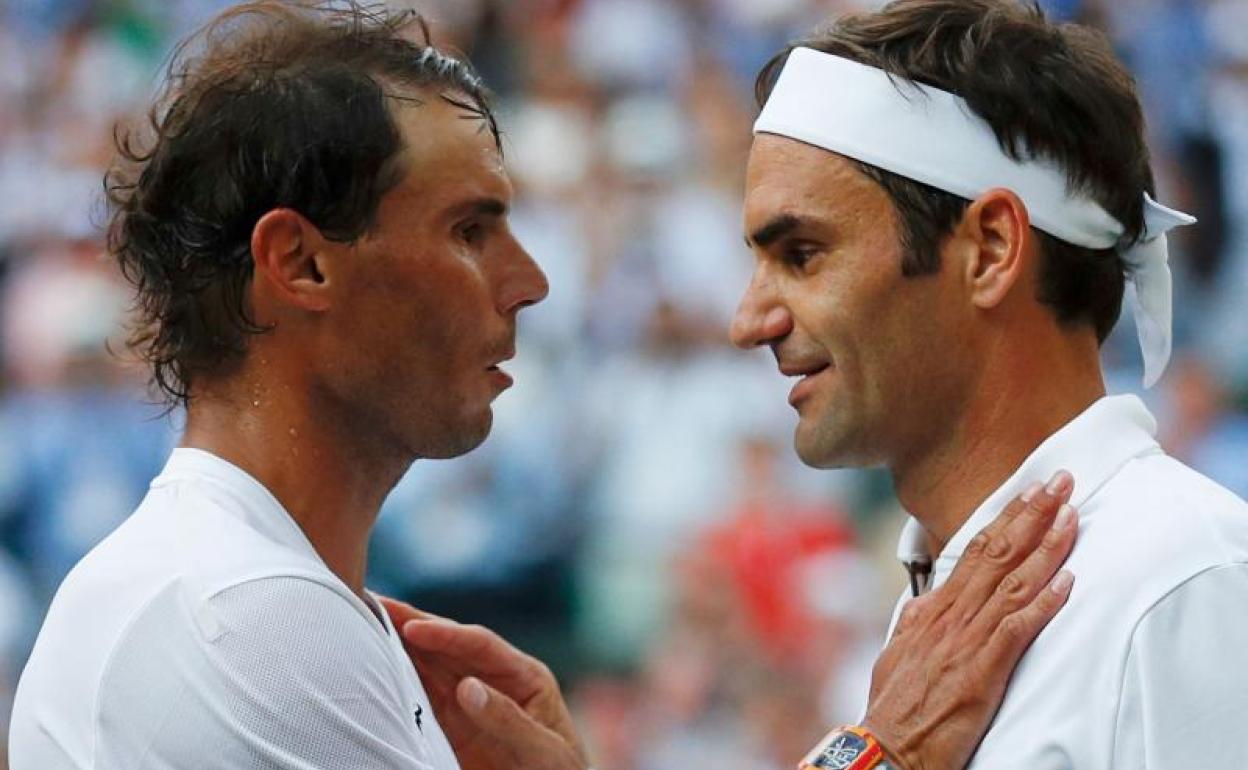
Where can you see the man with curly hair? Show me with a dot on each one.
(327, 283)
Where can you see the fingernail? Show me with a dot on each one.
(1031, 492)
(1062, 582)
(1065, 517)
(1060, 483)
(472, 695)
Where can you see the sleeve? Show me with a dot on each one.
(285, 675)
(1185, 688)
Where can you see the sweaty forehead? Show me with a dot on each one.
(449, 149)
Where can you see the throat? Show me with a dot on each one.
(943, 487)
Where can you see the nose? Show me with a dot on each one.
(760, 319)
(524, 283)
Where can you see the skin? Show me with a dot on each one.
(916, 374)
(382, 352)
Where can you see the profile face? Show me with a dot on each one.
(828, 296)
(434, 289)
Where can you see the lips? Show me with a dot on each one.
(500, 377)
(811, 375)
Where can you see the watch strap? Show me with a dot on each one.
(849, 747)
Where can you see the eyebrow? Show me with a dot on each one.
(774, 230)
(490, 207)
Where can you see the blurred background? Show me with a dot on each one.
(637, 518)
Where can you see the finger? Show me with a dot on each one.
(438, 675)
(1016, 632)
(502, 719)
(402, 612)
(1004, 544)
(451, 638)
(470, 650)
(1017, 589)
(477, 647)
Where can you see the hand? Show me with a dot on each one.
(499, 707)
(942, 677)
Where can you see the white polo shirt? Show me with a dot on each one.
(205, 632)
(1146, 667)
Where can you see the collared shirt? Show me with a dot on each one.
(206, 632)
(1146, 667)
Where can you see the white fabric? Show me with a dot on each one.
(934, 137)
(205, 632)
(1144, 667)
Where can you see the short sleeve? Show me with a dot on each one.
(1185, 687)
(287, 675)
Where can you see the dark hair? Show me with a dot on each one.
(1053, 91)
(269, 105)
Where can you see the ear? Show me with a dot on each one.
(289, 252)
(994, 238)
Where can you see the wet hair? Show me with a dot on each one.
(1053, 91)
(270, 105)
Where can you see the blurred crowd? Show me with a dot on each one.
(637, 517)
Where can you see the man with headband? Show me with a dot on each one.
(946, 200)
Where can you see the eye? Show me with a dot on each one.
(799, 253)
(471, 233)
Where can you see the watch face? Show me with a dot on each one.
(841, 751)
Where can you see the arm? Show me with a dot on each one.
(935, 688)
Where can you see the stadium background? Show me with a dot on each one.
(637, 518)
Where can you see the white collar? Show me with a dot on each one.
(1093, 447)
(260, 510)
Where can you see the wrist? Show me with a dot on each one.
(849, 747)
(895, 756)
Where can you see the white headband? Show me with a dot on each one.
(933, 137)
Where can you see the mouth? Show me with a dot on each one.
(809, 377)
(500, 377)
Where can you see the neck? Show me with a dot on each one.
(1018, 401)
(328, 478)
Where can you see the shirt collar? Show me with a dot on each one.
(1093, 447)
(259, 509)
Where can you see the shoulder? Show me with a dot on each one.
(291, 622)
(278, 663)
(1152, 527)
(265, 624)
(1159, 516)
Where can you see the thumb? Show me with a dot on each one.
(521, 739)
(499, 716)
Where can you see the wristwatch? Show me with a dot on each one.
(849, 747)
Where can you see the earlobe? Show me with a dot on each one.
(288, 254)
(998, 226)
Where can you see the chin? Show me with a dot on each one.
(819, 449)
(454, 440)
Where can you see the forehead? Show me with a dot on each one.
(788, 177)
(449, 154)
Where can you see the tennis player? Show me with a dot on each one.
(317, 233)
(947, 200)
